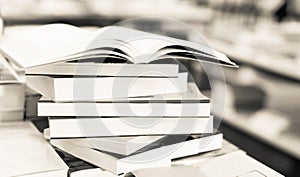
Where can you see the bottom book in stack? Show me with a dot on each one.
(157, 154)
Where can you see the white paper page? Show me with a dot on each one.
(173, 171)
(16, 130)
(234, 164)
(40, 45)
(144, 44)
(58, 42)
(52, 43)
(97, 172)
(24, 151)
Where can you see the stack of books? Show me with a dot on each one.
(119, 116)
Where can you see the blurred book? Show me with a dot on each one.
(24, 152)
(240, 165)
(31, 100)
(12, 94)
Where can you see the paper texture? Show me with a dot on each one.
(174, 171)
(24, 151)
(54, 43)
(97, 172)
(234, 164)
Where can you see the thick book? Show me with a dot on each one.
(63, 127)
(49, 44)
(190, 104)
(64, 89)
(119, 145)
(106, 69)
(157, 156)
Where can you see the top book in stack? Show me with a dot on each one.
(55, 43)
(58, 59)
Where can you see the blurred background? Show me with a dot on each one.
(263, 36)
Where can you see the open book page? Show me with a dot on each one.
(144, 44)
(31, 47)
(60, 42)
(54, 43)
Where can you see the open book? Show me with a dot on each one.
(55, 43)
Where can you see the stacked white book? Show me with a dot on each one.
(118, 116)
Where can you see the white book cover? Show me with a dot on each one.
(94, 88)
(62, 127)
(94, 67)
(150, 158)
(54, 43)
(106, 69)
(190, 104)
(118, 145)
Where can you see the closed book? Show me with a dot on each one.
(189, 104)
(106, 69)
(119, 145)
(62, 89)
(62, 127)
(158, 156)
